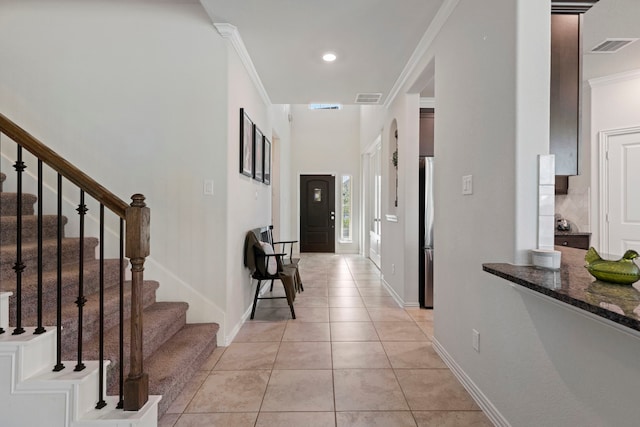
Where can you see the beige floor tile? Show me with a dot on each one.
(217, 420)
(273, 315)
(306, 331)
(304, 355)
(427, 328)
(379, 301)
(352, 355)
(303, 390)
(417, 354)
(230, 391)
(314, 292)
(369, 283)
(375, 419)
(243, 356)
(368, 390)
(313, 283)
(399, 331)
(310, 314)
(344, 292)
(349, 314)
(367, 277)
(434, 389)
(353, 331)
(260, 332)
(420, 314)
(211, 361)
(341, 284)
(377, 291)
(346, 302)
(385, 314)
(190, 389)
(168, 420)
(452, 419)
(305, 301)
(295, 419)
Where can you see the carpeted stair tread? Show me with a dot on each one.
(91, 314)
(70, 255)
(9, 203)
(174, 363)
(9, 225)
(161, 321)
(69, 286)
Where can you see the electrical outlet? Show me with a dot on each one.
(476, 340)
(208, 187)
(467, 185)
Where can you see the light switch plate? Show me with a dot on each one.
(467, 184)
(208, 187)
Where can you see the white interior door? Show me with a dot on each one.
(622, 199)
(375, 203)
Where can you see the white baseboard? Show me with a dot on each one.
(489, 409)
(228, 339)
(392, 292)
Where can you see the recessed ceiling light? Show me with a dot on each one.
(329, 57)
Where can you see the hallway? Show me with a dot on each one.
(351, 358)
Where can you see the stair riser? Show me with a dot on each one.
(9, 204)
(150, 345)
(9, 230)
(91, 281)
(70, 255)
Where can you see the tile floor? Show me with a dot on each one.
(351, 358)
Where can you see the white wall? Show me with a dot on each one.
(540, 363)
(144, 95)
(326, 142)
(615, 104)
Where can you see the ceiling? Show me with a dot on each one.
(374, 40)
(611, 19)
(285, 39)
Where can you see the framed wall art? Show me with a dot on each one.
(246, 144)
(258, 154)
(267, 161)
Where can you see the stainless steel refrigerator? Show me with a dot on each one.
(425, 292)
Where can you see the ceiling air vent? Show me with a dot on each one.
(611, 45)
(368, 98)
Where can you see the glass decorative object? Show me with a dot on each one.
(623, 271)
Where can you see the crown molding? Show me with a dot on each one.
(231, 33)
(614, 78)
(427, 103)
(425, 42)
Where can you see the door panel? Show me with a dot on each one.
(623, 178)
(317, 213)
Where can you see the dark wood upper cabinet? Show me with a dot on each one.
(566, 83)
(426, 132)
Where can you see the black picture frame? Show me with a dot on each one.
(258, 154)
(267, 161)
(246, 144)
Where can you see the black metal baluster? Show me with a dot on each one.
(101, 403)
(121, 284)
(59, 365)
(82, 210)
(40, 328)
(19, 266)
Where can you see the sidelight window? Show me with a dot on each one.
(345, 205)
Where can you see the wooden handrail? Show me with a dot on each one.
(63, 167)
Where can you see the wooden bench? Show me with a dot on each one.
(258, 257)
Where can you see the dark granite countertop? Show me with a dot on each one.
(574, 285)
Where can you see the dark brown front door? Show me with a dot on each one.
(317, 213)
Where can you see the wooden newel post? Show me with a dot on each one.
(136, 386)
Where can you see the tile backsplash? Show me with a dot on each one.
(574, 207)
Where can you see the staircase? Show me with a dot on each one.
(172, 349)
